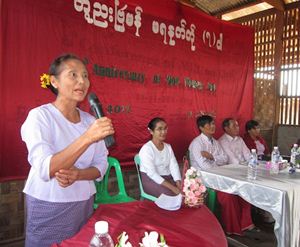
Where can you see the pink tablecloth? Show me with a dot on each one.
(184, 227)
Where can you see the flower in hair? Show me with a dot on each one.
(45, 80)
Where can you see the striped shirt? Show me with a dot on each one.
(203, 143)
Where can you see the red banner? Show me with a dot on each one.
(145, 59)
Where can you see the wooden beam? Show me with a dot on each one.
(293, 5)
(254, 16)
(277, 66)
(277, 4)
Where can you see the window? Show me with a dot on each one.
(289, 91)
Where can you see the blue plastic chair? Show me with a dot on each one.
(144, 195)
(102, 195)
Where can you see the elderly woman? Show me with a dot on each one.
(253, 139)
(159, 169)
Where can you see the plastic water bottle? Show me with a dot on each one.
(275, 159)
(294, 153)
(95, 241)
(101, 237)
(252, 166)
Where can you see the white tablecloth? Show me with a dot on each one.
(277, 194)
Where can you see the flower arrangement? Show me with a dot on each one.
(193, 188)
(45, 80)
(149, 240)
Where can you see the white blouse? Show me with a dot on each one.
(46, 132)
(156, 163)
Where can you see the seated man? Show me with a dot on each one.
(233, 145)
(205, 153)
(237, 153)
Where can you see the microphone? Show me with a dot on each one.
(97, 109)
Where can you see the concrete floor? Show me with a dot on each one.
(262, 239)
(265, 238)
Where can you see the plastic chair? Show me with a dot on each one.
(211, 200)
(144, 195)
(102, 195)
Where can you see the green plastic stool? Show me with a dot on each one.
(212, 200)
(144, 195)
(102, 196)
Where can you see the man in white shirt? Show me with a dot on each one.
(205, 151)
(236, 212)
(233, 145)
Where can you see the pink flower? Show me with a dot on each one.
(202, 188)
(194, 200)
(193, 187)
(198, 193)
(190, 194)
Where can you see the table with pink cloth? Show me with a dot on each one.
(184, 227)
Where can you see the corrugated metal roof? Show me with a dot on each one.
(214, 7)
(231, 9)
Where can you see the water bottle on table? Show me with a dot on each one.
(293, 162)
(101, 237)
(294, 153)
(275, 159)
(252, 165)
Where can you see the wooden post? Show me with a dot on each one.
(277, 70)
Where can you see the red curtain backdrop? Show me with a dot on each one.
(145, 59)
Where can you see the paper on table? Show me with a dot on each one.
(169, 202)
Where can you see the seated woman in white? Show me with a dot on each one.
(159, 169)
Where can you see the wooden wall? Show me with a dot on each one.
(276, 51)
